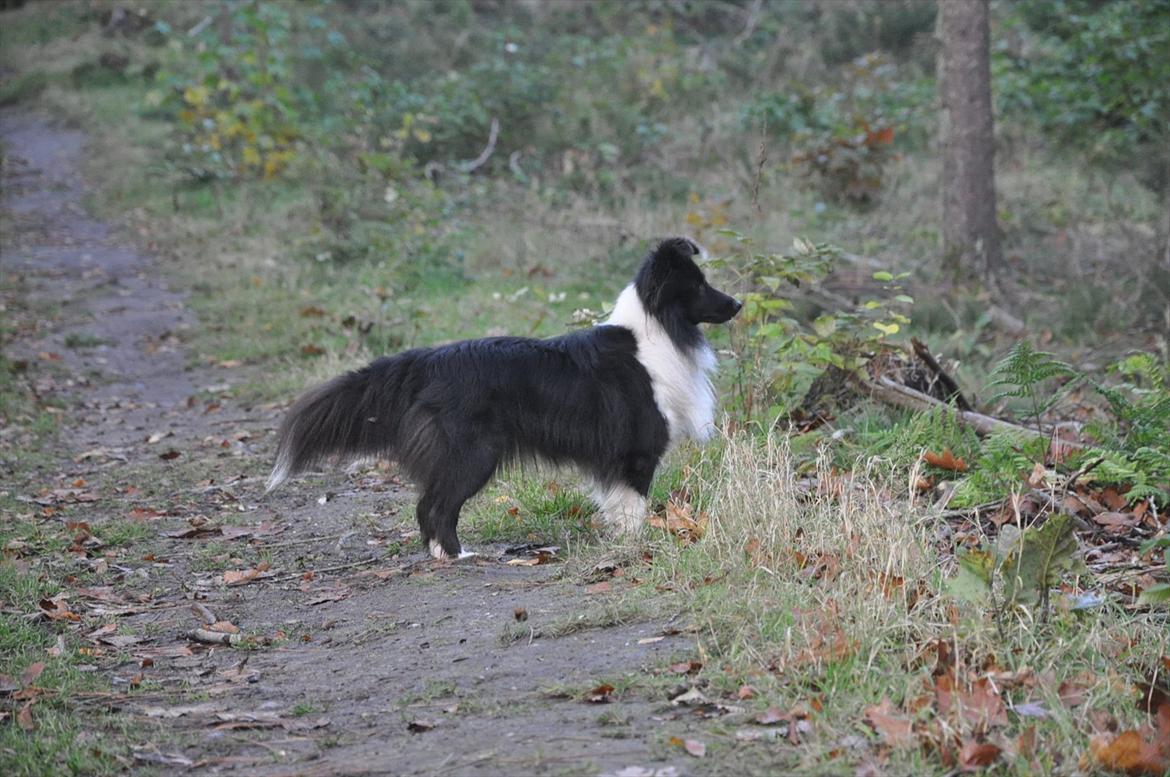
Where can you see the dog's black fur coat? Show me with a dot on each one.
(452, 415)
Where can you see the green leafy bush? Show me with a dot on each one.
(842, 137)
(1093, 74)
(235, 114)
(781, 353)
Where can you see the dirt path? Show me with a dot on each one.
(367, 657)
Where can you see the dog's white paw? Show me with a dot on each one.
(622, 508)
(438, 552)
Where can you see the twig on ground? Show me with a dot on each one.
(215, 637)
(479, 161)
(324, 538)
(200, 27)
(207, 615)
(325, 570)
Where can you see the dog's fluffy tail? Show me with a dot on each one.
(353, 416)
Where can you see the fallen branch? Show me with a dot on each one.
(893, 393)
(952, 388)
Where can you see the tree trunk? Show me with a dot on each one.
(971, 240)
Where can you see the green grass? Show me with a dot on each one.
(84, 340)
(304, 708)
(62, 740)
(23, 87)
(118, 533)
(529, 508)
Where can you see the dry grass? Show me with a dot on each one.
(827, 593)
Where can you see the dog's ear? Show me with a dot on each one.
(678, 248)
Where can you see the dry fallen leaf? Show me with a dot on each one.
(976, 755)
(57, 610)
(1117, 523)
(679, 522)
(243, 576)
(772, 716)
(979, 705)
(887, 720)
(31, 673)
(24, 717)
(1132, 753)
(945, 460)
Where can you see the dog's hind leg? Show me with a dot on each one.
(460, 479)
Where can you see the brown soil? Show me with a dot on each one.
(359, 641)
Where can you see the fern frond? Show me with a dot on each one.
(1024, 368)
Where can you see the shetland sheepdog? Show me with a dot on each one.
(609, 400)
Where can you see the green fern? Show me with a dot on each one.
(1005, 458)
(1023, 372)
(1146, 471)
(1141, 405)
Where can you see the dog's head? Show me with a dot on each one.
(671, 284)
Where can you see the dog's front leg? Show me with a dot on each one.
(622, 508)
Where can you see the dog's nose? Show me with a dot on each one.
(736, 306)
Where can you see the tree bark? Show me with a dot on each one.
(971, 238)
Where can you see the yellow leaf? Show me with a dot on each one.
(694, 219)
(888, 329)
(195, 95)
(252, 157)
(422, 136)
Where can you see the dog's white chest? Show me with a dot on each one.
(681, 382)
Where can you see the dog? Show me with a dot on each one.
(609, 400)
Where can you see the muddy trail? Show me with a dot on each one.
(356, 652)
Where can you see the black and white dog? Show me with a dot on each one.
(609, 400)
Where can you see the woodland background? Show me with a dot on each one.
(941, 493)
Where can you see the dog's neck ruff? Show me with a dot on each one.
(681, 378)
